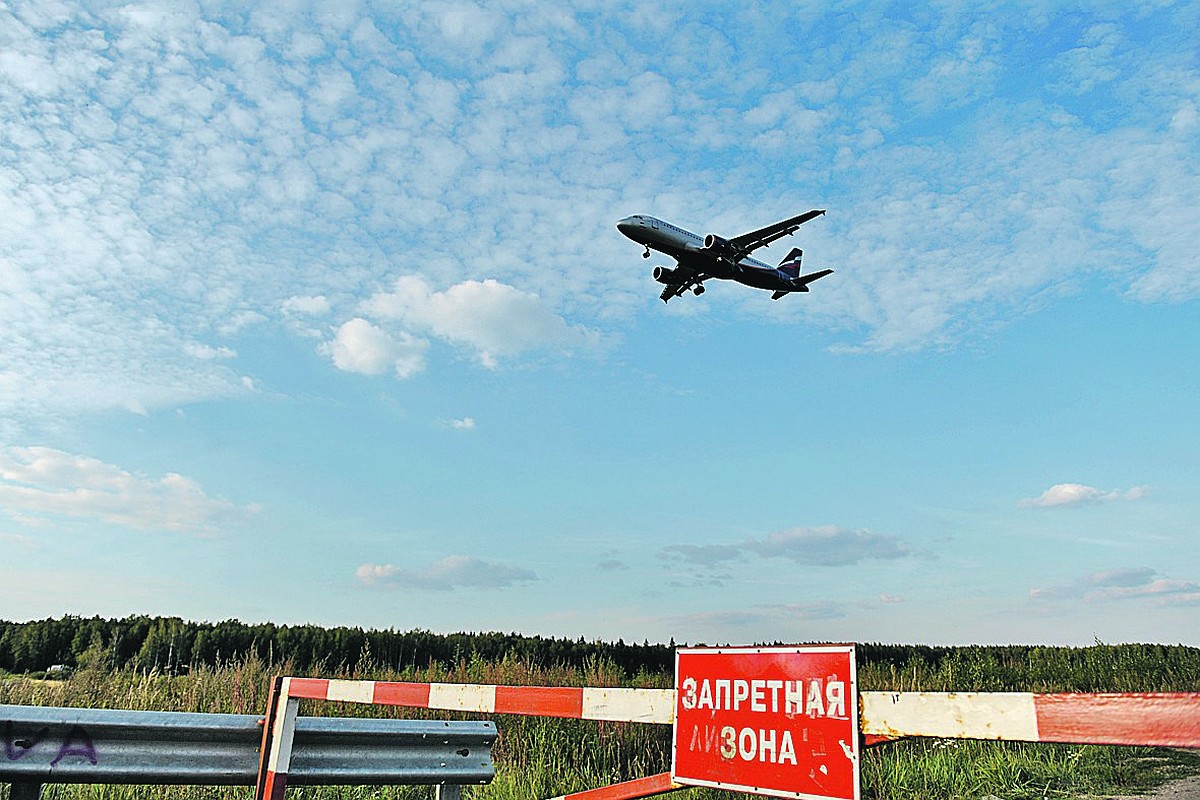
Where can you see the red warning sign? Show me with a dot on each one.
(779, 721)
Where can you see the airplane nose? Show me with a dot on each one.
(627, 226)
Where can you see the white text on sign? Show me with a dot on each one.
(747, 744)
(813, 698)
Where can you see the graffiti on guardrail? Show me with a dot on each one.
(76, 742)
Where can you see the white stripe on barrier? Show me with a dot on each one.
(280, 758)
(462, 697)
(963, 715)
(630, 705)
(351, 691)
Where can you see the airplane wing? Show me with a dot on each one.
(748, 243)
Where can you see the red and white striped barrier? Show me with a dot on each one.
(1151, 719)
(602, 704)
(617, 705)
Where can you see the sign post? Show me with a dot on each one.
(778, 721)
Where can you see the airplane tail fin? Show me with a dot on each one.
(790, 265)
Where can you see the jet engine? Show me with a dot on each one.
(663, 274)
(724, 251)
(714, 242)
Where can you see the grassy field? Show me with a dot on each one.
(542, 758)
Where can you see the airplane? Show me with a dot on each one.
(698, 259)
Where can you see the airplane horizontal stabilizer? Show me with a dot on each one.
(800, 284)
(805, 280)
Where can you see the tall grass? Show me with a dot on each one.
(542, 758)
(920, 768)
(1101, 668)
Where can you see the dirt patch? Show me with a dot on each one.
(1182, 789)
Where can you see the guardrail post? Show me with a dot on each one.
(25, 791)
(448, 792)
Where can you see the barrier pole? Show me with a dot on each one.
(629, 790)
(279, 729)
(268, 728)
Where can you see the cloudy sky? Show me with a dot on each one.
(322, 317)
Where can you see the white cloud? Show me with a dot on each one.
(206, 352)
(1093, 61)
(610, 563)
(361, 347)
(704, 555)
(1074, 494)
(449, 573)
(492, 318)
(962, 75)
(827, 545)
(466, 26)
(1121, 585)
(302, 312)
(313, 306)
(177, 174)
(464, 424)
(48, 484)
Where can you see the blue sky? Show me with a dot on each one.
(322, 317)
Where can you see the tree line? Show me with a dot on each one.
(171, 645)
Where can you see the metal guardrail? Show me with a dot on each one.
(84, 745)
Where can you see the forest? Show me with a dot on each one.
(171, 645)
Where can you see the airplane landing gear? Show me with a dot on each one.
(698, 290)
(647, 253)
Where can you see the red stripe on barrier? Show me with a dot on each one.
(1157, 720)
(311, 688)
(412, 695)
(275, 786)
(629, 790)
(872, 739)
(542, 701)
